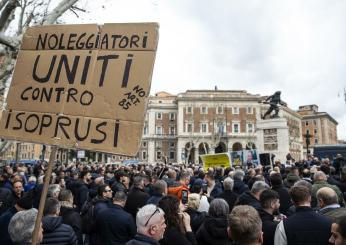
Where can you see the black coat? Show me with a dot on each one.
(268, 227)
(114, 226)
(140, 239)
(71, 217)
(81, 193)
(136, 199)
(240, 187)
(5, 219)
(173, 236)
(213, 231)
(196, 218)
(55, 232)
(230, 197)
(285, 200)
(248, 199)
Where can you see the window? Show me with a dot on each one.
(158, 144)
(315, 131)
(221, 128)
(315, 123)
(204, 128)
(306, 123)
(145, 130)
(219, 110)
(171, 155)
(144, 155)
(235, 110)
(159, 115)
(249, 128)
(189, 110)
(236, 128)
(316, 141)
(171, 116)
(171, 144)
(249, 110)
(204, 110)
(158, 130)
(144, 144)
(172, 130)
(189, 127)
(158, 155)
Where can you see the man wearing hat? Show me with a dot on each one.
(23, 203)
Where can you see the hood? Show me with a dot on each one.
(50, 223)
(216, 227)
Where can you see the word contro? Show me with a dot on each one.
(72, 71)
(37, 123)
(90, 41)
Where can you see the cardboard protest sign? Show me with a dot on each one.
(84, 86)
(215, 160)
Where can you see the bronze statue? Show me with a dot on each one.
(274, 101)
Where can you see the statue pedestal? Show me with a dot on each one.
(273, 137)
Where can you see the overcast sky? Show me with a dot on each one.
(296, 46)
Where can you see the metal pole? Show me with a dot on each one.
(44, 195)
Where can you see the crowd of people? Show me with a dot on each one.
(99, 204)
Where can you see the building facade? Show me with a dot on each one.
(321, 127)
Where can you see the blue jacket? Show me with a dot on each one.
(55, 232)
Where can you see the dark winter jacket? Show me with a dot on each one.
(71, 217)
(5, 219)
(140, 239)
(114, 226)
(196, 218)
(285, 200)
(136, 199)
(10, 200)
(334, 213)
(154, 199)
(230, 197)
(248, 199)
(213, 231)
(4, 192)
(55, 232)
(81, 194)
(217, 190)
(268, 227)
(240, 187)
(174, 236)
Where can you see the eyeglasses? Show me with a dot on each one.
(156, 211)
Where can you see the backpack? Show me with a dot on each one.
(87, 217)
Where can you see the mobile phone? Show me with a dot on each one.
(205, 188)
(184, 196)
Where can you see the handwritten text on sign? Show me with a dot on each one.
(88, 87)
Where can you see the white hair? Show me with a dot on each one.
(144, 214)
(22, 225)
(228, 184)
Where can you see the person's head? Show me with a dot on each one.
(320, 176)
(275, 179)
(53, 190)
(22, 226)
(338, 231)
(270, 200)
(306, 173)
(325, 169)
(184, 178)
(326, 196)
(18, 187)
(218, 208)
(239, 174)
(295, 171)
(104, 191)
(85, 175)
(209, 178)
(24, 203)
(138, 182)
(66, 198)
(120, 198)
(343, 174)
(172, 174)
(245, 225)
(160, 187)
(228, 184)
(258, 187)
(194, 200)
(304, 183)
(51, 207)
(32, 179)
(150, 221)
(300, 196)
(170, 205)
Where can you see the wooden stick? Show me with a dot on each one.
(44, 195)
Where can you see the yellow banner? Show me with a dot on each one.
(216, 160)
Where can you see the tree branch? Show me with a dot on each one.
(21, 16)
(3, 3)
(10, 42)
(58, 11)
(6, 13)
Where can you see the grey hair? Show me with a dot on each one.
(144, 214)
(120, 196)
(22, 225)
(137, 181)
(53, 190)
(238, 175)
(228, 184)
(303, 183)
(259, 186)
(319, 175)
(218, 208)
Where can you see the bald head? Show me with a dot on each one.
(320, 176)
(326, 196)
